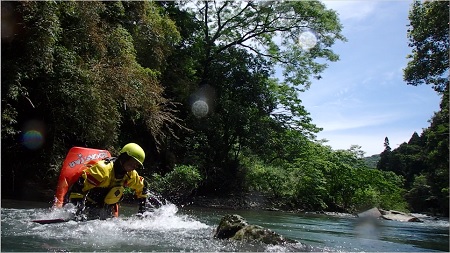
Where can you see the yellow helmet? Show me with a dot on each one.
(135, 151)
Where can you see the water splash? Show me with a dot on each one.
(169, 229)
(162, 229)
(164, 218)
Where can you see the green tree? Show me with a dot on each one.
(255, 27)
(419, 193)
(239, 105)
(429, 64)
(386, 144)
(236, 53)
(308, 184)
(178, 184)
(437, 154)
(428, 34)
(154, 33)
(180, 77)
(323, 179)
(296, 184)
(407, 161)
(270, 180)
(372, 161)
(82, 81)
(385, 156)
(415, 140)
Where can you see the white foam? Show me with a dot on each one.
(163, 219)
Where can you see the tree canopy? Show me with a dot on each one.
(73, 68)
(424, 160)
(193, 83)
(428, 34)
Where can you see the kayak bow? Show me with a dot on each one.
(50, 221)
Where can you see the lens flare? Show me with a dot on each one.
(307, 40)
(32, 139)
(200, 108)
(202, 100)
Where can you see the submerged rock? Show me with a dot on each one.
(235, 227)
(258, 233)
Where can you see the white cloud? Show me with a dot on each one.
(351, 10)
(371, 142)
(362, 98)
(339, 122)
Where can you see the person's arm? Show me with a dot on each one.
(149, 200)
(139, 185)
(95, 176)
(143, 200)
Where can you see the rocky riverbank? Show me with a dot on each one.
(253, 200)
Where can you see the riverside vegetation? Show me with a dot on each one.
(193, 85)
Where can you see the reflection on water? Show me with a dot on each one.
(191, 229)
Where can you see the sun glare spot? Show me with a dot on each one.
(307, 40)
(32, 139)
(200, 108)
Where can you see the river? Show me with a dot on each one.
(172, 228)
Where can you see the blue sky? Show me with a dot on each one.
(362, 98)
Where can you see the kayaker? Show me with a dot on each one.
(100, 188)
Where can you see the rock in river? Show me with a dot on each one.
(388, 215)
(399, 216)
(235, 227)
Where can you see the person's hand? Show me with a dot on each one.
(80, 215)
(142, 207)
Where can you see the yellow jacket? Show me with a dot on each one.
(102, 175)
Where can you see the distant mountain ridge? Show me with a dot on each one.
(372, 161)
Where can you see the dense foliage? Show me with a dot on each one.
(178, 184)
(424, 165)
(193, 85)
(424, 161)
(428, 34)
(372, 161)
(71, 76)
(323, 179)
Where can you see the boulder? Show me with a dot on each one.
(229, 225)
(388, 215)
(258, 233)
(235, 227)
(400, 216)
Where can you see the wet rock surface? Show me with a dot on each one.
(388, 215)
(235, 227)
(399, 216)
(229, 225)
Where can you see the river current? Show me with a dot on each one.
(172, 228)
